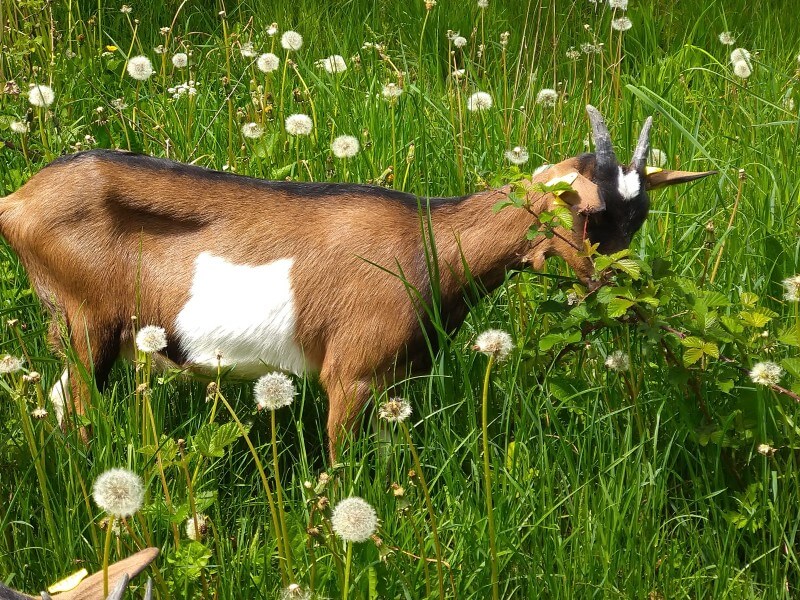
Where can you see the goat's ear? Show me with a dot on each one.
(586, 197)
(91, 588)
(658, 178)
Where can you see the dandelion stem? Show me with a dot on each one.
(276, 526)
(279, 493)
(348, 561)
(487, 480)
(106, 552)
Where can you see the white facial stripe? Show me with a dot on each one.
(59, 395)
(246, 312)
(629, 184)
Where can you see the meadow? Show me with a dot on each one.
(638, 442)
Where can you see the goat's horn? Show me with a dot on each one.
(119, 590)
(639, 160)
(604, 150)
(6, 593)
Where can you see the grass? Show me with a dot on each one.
(604, 484)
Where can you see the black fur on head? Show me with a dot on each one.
(624, 214)
(621, 189)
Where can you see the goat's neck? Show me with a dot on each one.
(474, 241)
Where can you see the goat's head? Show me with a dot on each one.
(610, 202)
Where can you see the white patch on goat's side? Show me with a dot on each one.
(542, 168)
(245, 312)
(59, 396)
(629, 184)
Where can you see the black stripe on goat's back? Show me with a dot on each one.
(299, 189)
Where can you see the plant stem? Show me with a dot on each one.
(348, 560)
(487, 480)
(106, 552)
(279, 493)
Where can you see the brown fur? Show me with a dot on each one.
(104, 238)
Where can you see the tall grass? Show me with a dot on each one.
(597, 490)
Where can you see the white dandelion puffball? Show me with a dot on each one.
(483, 3)
(547, 97)
(299, 124)
(345, 146)
(792, 287)
(742, 70)
(252, 131)
(395, 410)
(766, 373)
(479, 101)
(196, 530)
(618, 4)
(354, 520)
(294, 591)
(247, 50)
(180, 60)
(726, 37)
(267, 63)
(41, 95)
(518, 155)
(19, 127)
(459, 41)
(151, 339)
(291, 40)
(274, 391)
(272, 30)
(140, 68)
(618, 361)
(391, 92)
(658, 157)
(119, 492)
(10, 364)
(621, 24)
(495, 342)
(740, 55)
(333, 64)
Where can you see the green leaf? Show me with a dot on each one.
(203, 441)
(731, 324)
(551, 339)
(757, 317)
(691, 356)
(792, 366)
(629, 266)
(748, 299)
(226, 435)
(618, 307)
(790, 336)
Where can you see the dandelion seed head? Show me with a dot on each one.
(299, 124)
(274, 391)
(618, 4)
(391, 92)
(618, 361)
(140, 68)
(354, 520)
(18, 127)
(765, 449)
(479, 101)
(180, 60)
(518, 155)
(588, 48)
(494, 342)
(291, 40)
(151, 339)
(483, 3)
(395, 410)
(41, 95)
(10, 364)
(742, 70)
(740, 55)
(573, 54)
(726, 37)
(766, 373)
(247, 50)
(459, 41)
(272, 30)
(345, 146)
(621, 24)
(125, 9)
(267, 63)
(119, 492)
(547, 97)
(792, 288)
(39, 413)
(295, 591)
(333, 64)
(252, 130)
(196, 530)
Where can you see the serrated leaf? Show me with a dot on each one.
(630, 267)
(551, 339)
(618, 307)
(790, 336)
(692, 342)
(792, 365)
(757, 317)
(714, 299)
(748, 299)
(203, 441)
(711, 349)
(226, 435)
(725, 385)
(731, 324)
(691, 356)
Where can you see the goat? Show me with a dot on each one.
(301, 277)
(91, 588)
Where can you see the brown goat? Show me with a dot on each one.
(302, 277)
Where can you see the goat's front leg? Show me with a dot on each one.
(346, 399)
